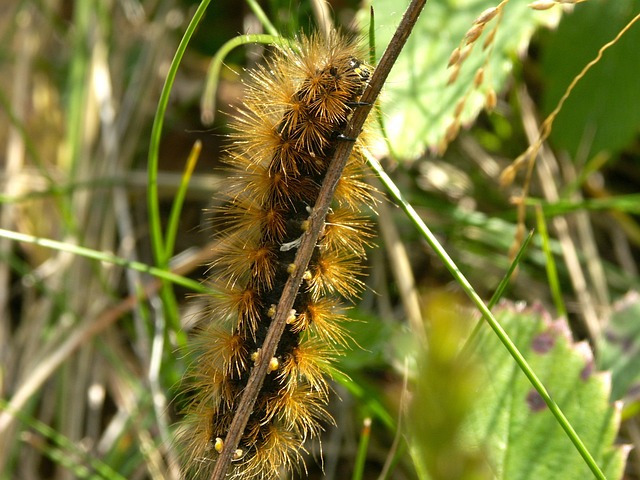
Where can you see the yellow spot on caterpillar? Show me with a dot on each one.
(272, 311)
(237, 455)
(219, 444)
(291, 268)
(292, 317)
(304, 226)
(273, 364)
(255, 355)
(307, 275)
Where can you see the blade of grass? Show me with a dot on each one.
(363, 446)
(417, 460)
(169, 300)
(625, 203)
(157, 241)
(262, 17)
(163, 274)
(399, 445)
(488, 316)
(178, 202)
(373, 404)
(550, 264)
(497, 295)
(620, 207)
(78, 85)
(208, 100)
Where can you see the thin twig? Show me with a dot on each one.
(310, 239)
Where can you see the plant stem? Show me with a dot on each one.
(490, 319)
(310, 239)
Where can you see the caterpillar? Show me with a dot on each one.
(295, 109)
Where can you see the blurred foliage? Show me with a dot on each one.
(510, 420)
(603, 112)
(447, 386)
(619, 350)
(418, 104)
(476, 416)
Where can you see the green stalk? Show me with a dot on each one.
(208, 101)
(178, 202)
(161, 273)
(552, 273)
(262, 17)
(488, 316)
(497, 295)
(158, 244)
(157, 241)
(363, 446)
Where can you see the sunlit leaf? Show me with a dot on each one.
(417, 105)
(512, 421)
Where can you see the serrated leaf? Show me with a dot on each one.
(417, 105)
(603, 111)
(619, 348)
(512, 421)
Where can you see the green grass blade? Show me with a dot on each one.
(373, 404)
(262, 17)
(497, 295)
(488, 316)
(629, 203)
(157, 242)
(363, 446)
(550, 264)
(208, 101)
(161, 273)
(178, 202)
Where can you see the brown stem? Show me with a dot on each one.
(310, 239)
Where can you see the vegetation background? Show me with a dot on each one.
(91, 349)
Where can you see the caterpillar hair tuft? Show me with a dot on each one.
(296, 107)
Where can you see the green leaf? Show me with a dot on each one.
(513, 424)
(603, 111)
(619, 348)
(417, 105)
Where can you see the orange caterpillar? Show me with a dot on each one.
(296, 108)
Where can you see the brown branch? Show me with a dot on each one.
(310, 239)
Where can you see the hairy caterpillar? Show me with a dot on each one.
(294, 113)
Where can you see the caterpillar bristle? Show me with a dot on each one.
(346, 230)
(285, 133)
(324, 320)
(352, 191)
(244, 302)
(336, 272)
